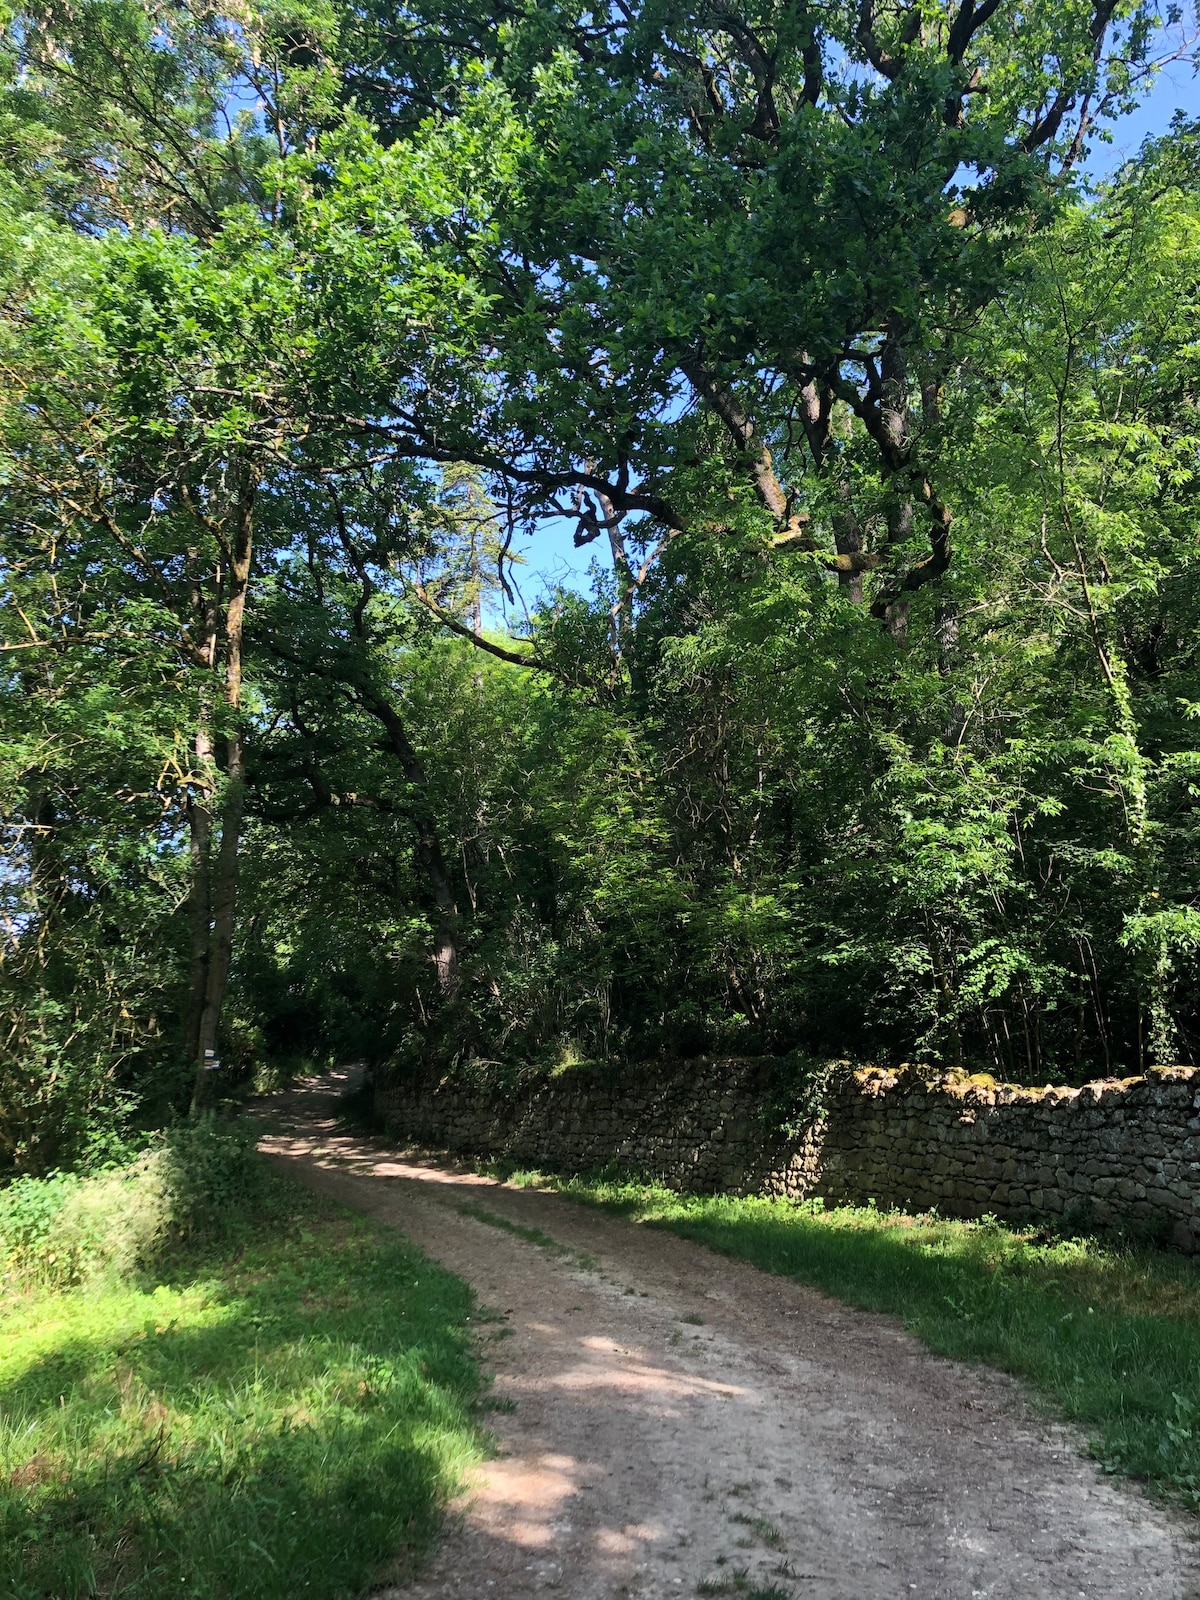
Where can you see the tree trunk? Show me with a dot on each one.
(199, 809)
(445, 922)
(848, 541)
(233, 799)
(199, 815)
(622, 611)
(224, 908)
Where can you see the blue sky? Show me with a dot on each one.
(1175, 89)
(551, 555)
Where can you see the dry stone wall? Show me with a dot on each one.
(1117, 1153)
(1122, 1152)
(697, 1126)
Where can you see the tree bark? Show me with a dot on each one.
(622, 611)
(223, 916)
(199, 816)
(745, 436)
(848, 540)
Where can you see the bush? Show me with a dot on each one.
(64, 1230)
(215, 1179)
(203, 1182)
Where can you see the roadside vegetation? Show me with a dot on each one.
(213, 1384)
(1110, 1334)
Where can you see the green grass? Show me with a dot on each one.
(741, 1583)
(530, 1235)
(276, 1417)
(1109, 1334)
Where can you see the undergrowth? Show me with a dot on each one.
(1110, 1334)
(203, 1181)
(249, 1394)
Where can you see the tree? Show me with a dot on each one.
(875, 738)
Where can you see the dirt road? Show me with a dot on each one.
(682, 1424)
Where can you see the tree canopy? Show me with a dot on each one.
(875, 733)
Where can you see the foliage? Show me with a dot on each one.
(287, 1417)
(1107, 1334)
(201, 1181)
(63, 1230)
(799, 1096)
(875, 733)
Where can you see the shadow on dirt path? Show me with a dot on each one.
(683, 1424)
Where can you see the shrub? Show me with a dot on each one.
(65, 1230)
(215, 1179)
(203, 1182)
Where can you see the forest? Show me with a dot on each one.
(874, 730)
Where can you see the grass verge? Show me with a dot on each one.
(1109, 1334)
(280, 1412)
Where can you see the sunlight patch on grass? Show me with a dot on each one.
(283, 1418)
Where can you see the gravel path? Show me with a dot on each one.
(682, 1424)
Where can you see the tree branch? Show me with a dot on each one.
(447, 620)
